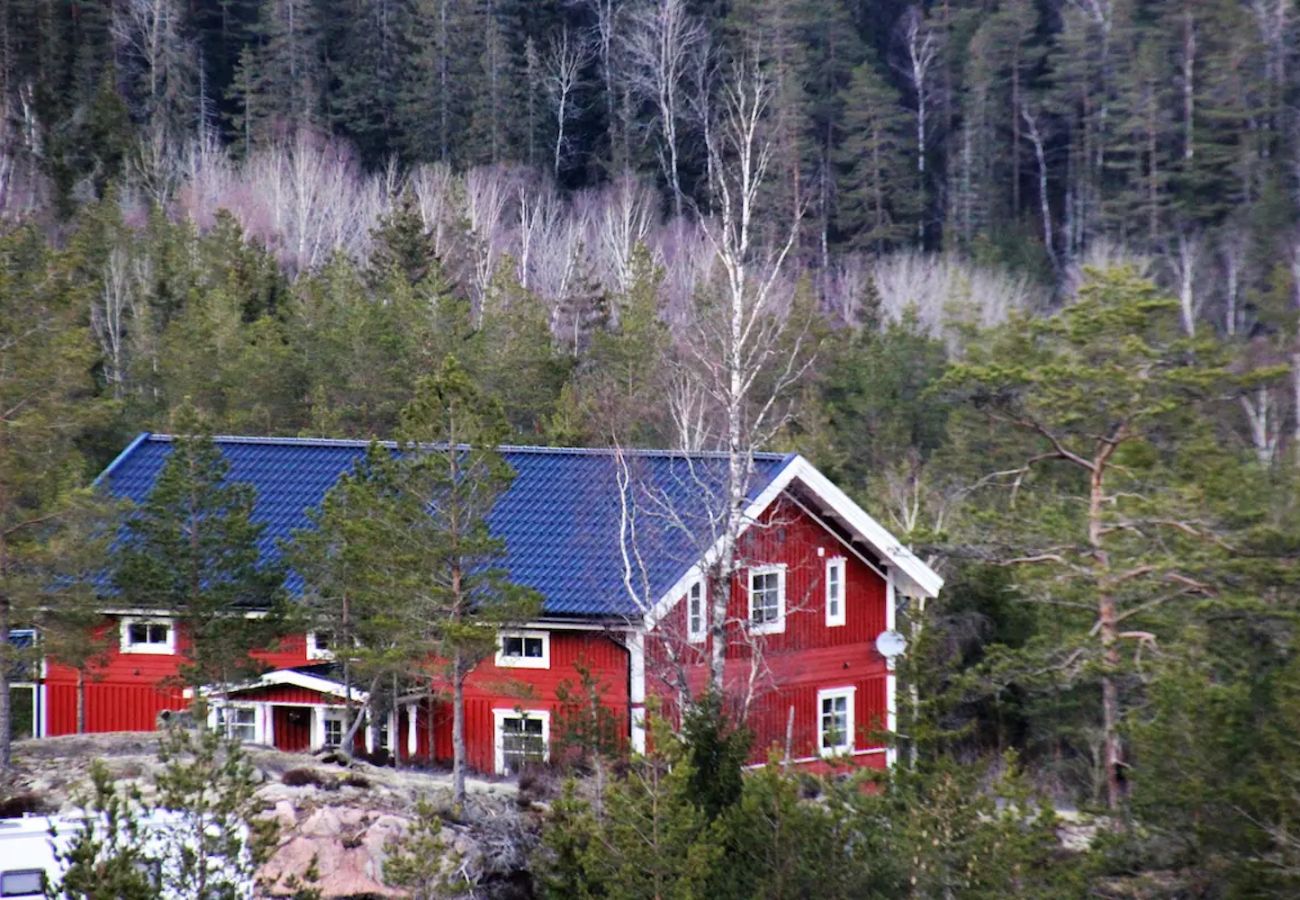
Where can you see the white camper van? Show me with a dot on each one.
(27, 852)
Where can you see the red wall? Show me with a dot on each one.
(807, 656)
(128, 690)
(491, 687)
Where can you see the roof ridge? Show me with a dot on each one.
(508, 448)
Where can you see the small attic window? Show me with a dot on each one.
(157, 636)
(524, 650)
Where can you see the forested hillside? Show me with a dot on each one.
(1022, 277)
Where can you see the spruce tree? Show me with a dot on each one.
(877, 203)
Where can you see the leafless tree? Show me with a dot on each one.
(435, 190)
(111, 313)
(1036, 138)
(944, 292)
(566, 56)
(148, 34)
(606, 16)
(619, 219)
(921, 46)
(746, 341)
(487, 194)
(661, 43)
(1184, 261)
(1232, 255)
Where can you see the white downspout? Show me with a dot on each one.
(636, 688)
(412, 735)
(891, 679)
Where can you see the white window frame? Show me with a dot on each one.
(499, 717)
(168, 648)
(696, 635)
(849, 694)
(836, 564)
(218, 713)
(778, 625)
(524, 662)
(329, 714)
(317, 652)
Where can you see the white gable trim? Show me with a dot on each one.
(290, 678)
(925, 580)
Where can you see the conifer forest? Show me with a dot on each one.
(1021, 276)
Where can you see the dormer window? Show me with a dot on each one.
(524, 650)
(320, 645)
(695, 617)
(156, 636)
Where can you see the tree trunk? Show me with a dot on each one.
(6, 728)
(458, 733)
(1108, 631)
(81, 701)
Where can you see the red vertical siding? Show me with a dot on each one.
(292, 728)
(126, 691)
(808, 655)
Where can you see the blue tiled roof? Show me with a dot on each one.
(559, 519)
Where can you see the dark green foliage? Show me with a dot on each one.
(207, 787)
(717, 748)
(191, 547)
(198, 835)
(107, 861)
(421, 861)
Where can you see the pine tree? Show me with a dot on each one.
(46, 401)
(191, 548)
(448, 586)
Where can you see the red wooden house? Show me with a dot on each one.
(618, 544)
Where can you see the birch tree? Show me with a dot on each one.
(566, 56)
(662, 44)
(748, 353)
(920, 46)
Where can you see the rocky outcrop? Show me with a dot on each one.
(334, 822)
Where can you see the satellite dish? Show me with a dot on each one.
(890, 644)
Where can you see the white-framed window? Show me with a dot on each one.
(835, 591)
(835, 721)
(238, 722)
(522, 736)
(320, 645)
(767, 599)
(332, 728)
(22, 883)
(696, 614)
(524, 649)
(156, 636)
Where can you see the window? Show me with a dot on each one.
(695, 611)
(23, 883)
(835, 591)
(835, 721)
(238, 722)
(522, 736)
(148, 636)
(767, 599)
(332, 730)
(524, 650)
(320, 645)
